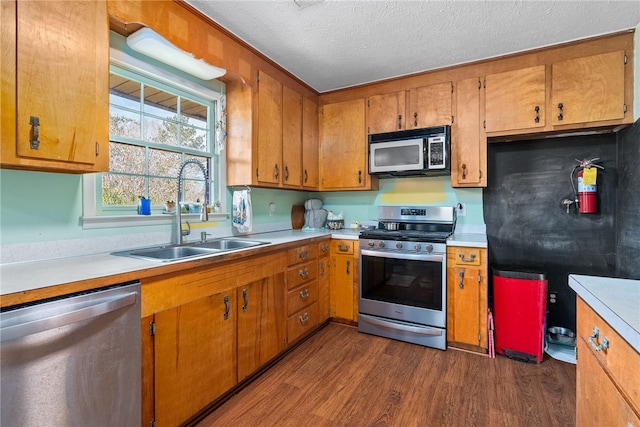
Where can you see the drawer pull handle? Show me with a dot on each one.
(303, 254)
(461, 285)
(471, 258)
(304, 273)
(246, 300)
(322, 269)
(343, 248)
(592, 340)
(227, 307)
(324, 248)
(304, 294)
(34, 142)
(304, 318)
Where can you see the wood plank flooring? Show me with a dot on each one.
(340, 377)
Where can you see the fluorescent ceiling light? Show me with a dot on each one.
(149, 43)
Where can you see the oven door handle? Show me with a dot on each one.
(399, 255)
(401, 327)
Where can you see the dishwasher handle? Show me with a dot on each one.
(39, 325)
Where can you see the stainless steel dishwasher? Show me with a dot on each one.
(73, 360)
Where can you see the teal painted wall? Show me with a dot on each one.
(41, 206)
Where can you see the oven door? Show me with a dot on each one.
(404, 286)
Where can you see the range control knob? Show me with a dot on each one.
(381, 244)
(428, 248)
(417, 246)
(371, 243)
(398, 245)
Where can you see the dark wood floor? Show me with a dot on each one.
(340, 377)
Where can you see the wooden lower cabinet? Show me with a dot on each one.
(195, 356)
(324, 289)
(302, 291)
(344, 279)
(261, 328)
(608, 378)
(467, 302)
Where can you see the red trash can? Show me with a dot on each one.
(519, 310)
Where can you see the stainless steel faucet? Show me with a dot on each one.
(204, 216)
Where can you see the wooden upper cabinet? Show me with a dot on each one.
(386, 112)
(515, 99)
(269, 118)
(291, 138)
(588, 89)
(309, 144)
(468, 140)
(430, 106)
(61, 93)
(343, 147)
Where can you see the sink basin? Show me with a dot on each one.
(170, 253)
(230, 244)
(189, 250)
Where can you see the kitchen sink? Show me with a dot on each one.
(230, 244)
(190, 250)
(168, 253)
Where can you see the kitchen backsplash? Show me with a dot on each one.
(41, 213)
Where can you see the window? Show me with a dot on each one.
(154, 127)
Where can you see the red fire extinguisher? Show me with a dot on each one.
(587, 195)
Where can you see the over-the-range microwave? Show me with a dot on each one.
(414, 152)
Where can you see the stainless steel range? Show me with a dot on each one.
(403, 267)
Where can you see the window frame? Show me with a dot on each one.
(94, 217)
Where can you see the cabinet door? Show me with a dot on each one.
(515, 99)
(468, 140)
(386, 112)
(343, 146)
(430, 106)
(598, 401)
(588, 89)
(463, 306)
(342, 295)
(309, 144)
(261, 323)
(195, 356)
(291, 138)
(324, 293)
(62, 85)
(269, 117)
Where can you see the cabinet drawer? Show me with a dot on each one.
(465, 256)
(302, 273)
(620, 359)
(302, 322)
(345, 247)
(301, 297)
(323, 248)
(302, 254)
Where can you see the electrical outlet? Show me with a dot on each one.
(461, 209)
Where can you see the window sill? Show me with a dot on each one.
(95, 222)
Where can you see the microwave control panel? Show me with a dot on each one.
(437, 153)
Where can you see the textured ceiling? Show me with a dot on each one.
(333, 44)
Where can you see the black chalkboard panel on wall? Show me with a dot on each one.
(528, 226)
(628, 204)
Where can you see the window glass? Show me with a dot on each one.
(154, 128)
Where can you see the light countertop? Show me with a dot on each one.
(617, 301)
(25, 276)
(32, 275)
